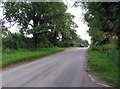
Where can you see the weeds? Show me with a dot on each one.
(104, 63)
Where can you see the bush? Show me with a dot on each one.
(7, 51)
(9, 42)
(44, 44)
(16, 41)
(97, 48)
(109, 50)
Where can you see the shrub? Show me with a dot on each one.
(7, 51)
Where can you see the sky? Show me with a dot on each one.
(77, 12)
(82, 26)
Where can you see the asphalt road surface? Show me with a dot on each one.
(63, 69)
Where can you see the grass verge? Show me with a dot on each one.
(20, 56)
(101, 65)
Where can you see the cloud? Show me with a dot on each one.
(79, 20)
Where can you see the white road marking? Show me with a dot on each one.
(91, 78)
(98, 83)
(103, 84)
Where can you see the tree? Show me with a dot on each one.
(103, 17)
(42, 20)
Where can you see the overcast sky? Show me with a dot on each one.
(77, 12)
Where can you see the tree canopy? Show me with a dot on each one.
(103, 18)
(48, 23)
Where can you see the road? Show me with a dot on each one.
(63, 69)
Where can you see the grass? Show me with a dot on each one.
(103, 65)
(20, 55)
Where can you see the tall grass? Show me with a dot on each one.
(104, 62)
(9, 58)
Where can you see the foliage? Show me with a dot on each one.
(102, 18)
(48, 23)
(16, 41)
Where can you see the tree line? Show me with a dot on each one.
(48, 24)
(104, 21)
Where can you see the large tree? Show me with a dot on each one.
(42, 20)
(103, 17)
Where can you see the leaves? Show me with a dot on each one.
(100, 16)
(50, 20)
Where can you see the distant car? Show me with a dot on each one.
(81, 45)
(86, 45)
